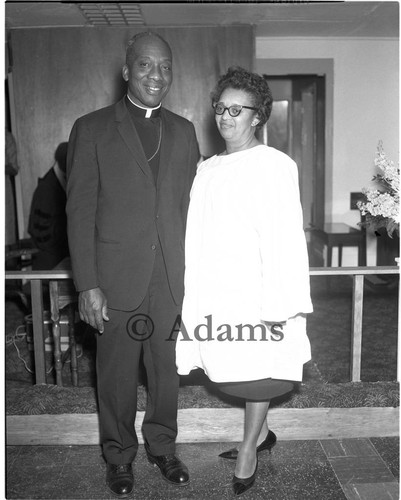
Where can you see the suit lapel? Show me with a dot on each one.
(130, 137)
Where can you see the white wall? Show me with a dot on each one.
(365, 102)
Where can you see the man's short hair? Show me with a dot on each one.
(132, 41)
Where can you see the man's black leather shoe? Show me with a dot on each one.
(171, 467)
(119, 479)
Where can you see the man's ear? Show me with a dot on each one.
(125, 72)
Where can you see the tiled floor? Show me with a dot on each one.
(349, 469)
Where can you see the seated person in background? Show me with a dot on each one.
(48, 220)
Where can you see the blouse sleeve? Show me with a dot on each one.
(282, 243)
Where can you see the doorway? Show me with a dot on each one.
(297, 127)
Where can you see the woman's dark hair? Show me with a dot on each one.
(252, 83)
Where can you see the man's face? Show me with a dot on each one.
(149, 72)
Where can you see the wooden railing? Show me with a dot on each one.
(358, 274)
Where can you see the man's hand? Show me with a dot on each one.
(92, 305)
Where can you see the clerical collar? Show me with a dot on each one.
(141, 111)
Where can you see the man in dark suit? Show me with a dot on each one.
(47, 219)
(130, 169)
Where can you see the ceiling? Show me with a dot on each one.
(291, 18)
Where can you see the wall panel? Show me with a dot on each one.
(60, 74)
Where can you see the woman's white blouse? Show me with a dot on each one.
(246, 261)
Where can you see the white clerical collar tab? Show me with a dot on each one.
(149, 112)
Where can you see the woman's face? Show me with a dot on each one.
(238, 129)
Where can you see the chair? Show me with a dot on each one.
(18, 257)
(63, 296)
(338, 234)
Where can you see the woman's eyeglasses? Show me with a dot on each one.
(234, 110)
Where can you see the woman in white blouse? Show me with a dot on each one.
(247, 273)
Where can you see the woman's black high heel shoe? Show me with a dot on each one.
(241, 485)
(267, 444)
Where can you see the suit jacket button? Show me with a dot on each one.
(153, 247)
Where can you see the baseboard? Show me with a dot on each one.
(213, 424)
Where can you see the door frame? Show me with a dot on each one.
(322, 67)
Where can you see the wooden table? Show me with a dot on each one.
(337, 234)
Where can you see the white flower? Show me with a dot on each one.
(383, 205)
(380, 204)
(390, 171)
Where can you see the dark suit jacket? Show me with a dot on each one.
(117, 216)
(48, 222)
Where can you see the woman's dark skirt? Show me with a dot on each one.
(256, 390)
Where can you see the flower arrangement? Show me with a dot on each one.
(382, 206)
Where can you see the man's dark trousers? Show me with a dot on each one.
(118, 355)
